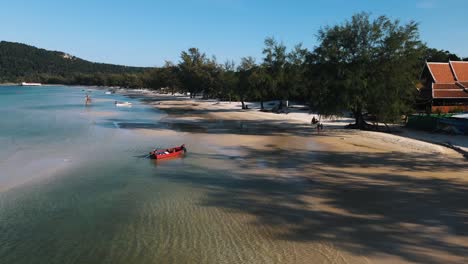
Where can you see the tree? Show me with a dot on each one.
(190, 70)
(197, 73)
(212, 81)
(165, 77)
(286, 69)
(274, 63)
(229, 80)
(295, 72)
(245, 70)
(259, 83)
(435, 55)
(367, 66)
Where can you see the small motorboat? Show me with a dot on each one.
(30, 84)
(167, 153)
(127, 104)
(108, 93)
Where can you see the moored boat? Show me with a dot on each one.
(128, 104)
(30, 84)
(168, 153)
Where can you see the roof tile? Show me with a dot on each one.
(441, 72)
(441, 93)
(445, 86)
(461, 70)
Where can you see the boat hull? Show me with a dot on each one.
(168, 153)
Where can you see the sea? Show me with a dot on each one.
(75, 187)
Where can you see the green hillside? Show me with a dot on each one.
(21, 62)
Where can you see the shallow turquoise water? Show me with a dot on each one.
(72, 189)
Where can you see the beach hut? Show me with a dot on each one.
(444, 86)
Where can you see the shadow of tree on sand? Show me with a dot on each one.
(366, 212)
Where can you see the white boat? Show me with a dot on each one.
(127, 104)
(463, 115)
(108, 93)
(30, 84)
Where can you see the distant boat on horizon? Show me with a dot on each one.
(30, 84)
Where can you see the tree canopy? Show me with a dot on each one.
(367, 66)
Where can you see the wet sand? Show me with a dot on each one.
(339, 196)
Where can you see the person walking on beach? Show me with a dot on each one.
(319, 127)
(313, 121)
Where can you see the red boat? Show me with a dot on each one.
(167, 153)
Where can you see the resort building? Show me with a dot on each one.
(445, 86)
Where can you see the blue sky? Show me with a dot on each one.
(146, 33)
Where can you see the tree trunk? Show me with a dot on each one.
(388, 128)
(261, 104)
(280, 105)
(243, 104)
(360, 122)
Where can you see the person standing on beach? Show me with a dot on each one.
(319, 127)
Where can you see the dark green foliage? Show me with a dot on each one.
(435, 55)
(244, 88)
(367, 66)
(228, 81)
(274, 64)
(166, 77)
(260, 84)
(198, 74)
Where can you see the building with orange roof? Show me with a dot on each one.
(445, 86)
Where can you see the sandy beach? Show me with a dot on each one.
(371, 197)
(182, 109)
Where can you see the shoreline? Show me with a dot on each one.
(179, 106)
(408, 139)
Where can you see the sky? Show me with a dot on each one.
(147, 33)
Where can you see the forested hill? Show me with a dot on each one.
(21, 62)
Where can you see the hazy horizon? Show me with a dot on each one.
(147, 33)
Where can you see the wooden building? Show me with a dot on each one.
(445, 86)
